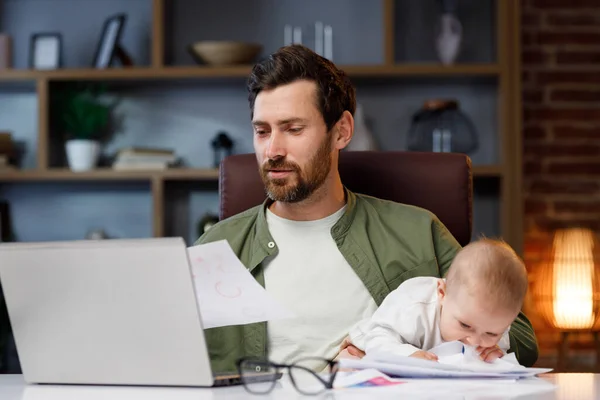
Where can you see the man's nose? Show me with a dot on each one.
(276, 146)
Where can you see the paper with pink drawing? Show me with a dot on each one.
(227, 293)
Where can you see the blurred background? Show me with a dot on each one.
(114, 116)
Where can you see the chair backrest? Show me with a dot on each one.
(438, 182)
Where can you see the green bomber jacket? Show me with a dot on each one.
(384, 242)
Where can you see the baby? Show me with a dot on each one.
(477, 302)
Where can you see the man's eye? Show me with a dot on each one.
(295, 130)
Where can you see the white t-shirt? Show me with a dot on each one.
(408, 320)
(311, 277)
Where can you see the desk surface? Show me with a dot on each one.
(546, 387)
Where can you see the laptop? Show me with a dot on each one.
(107, 312)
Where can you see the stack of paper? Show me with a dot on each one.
(455, 360)
(370, 382)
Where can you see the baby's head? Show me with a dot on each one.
(483, 293)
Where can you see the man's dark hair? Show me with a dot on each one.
(335, 92)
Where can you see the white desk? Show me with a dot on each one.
(551, 386)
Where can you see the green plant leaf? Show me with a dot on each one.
(82, 113)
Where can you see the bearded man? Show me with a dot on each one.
(326, 253)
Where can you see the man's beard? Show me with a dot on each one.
(307, 181)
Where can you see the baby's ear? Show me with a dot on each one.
(441, 289)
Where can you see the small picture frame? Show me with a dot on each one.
(45, 50)
(108, 46)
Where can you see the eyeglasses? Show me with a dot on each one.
(259, 376)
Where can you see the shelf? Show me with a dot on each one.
(109, 175)
(432, 69)
(181, 174)
(241, 71)
(488, 171)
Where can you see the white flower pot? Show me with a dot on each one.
(82, 155)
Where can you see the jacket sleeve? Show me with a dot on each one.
(445, 246)
(523, 341)
(522, 337)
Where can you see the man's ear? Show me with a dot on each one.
(344, 130)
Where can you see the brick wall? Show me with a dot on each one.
(561, 127)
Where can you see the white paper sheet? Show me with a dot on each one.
(375, 384)
(452, 363)
(460, 355)
(227, 293)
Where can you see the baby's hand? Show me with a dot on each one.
(350, 350)
(490, 354)
(424, 355)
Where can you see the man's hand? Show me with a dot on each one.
(490, 354)
(424, 355)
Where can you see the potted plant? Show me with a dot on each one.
(85, 120)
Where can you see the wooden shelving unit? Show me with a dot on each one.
(503, 70)
(56, 174)
(174, 174)
(200, 72)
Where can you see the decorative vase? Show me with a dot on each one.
(449, 38)
(82, 154)
(363, 139)
(441, 126)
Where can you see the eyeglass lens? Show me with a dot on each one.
(258, 377)
(306, 380)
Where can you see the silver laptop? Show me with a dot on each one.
(116, 312)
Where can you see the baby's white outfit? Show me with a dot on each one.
(407, 320)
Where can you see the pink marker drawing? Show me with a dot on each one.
(232, 293)
(203, 266)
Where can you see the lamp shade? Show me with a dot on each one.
(566, 290)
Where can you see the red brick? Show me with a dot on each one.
(574, 20)
(535, 207)
(530, 19)
(529, 38)
(551, 223)
(532, 167)
(575, 132)
(577, 57)
(566, 38)
(535, 96)
(566, 4)
(534, 132)
(545, 186)
(575, 168)
(535, 57)
(562, 114)
(536, 246)
(577, 207)
(561, 150)
(568, 76)
(531, 262)
(591, 96)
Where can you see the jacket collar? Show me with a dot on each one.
(265, 246)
